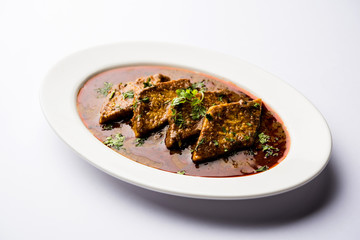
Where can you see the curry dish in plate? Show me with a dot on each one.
(182, 121)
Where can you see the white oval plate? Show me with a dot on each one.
(310, 136)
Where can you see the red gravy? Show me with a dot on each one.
(153, 152)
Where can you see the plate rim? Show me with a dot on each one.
(151, 178)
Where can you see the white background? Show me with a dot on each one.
(48, 192)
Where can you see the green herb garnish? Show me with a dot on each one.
(190, 95)
(116, 141)
(198, 111)
(199, 85)
(104, 90)
(229, 139)
(256, 105)
(128, 94)
(135, 104)
(178, 118)
(199, 143)
(182, 172)
(246, 137)
(249, 124)
(216, 143)
(112, 94)
(263, 138)
(107, 126)
(140, 141)
(262, 169)
(269, 150)
(145, 99)
(147, 83)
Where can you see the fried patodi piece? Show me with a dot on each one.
(151, 105)
(121, 97)
(183, 124)
(232, 126)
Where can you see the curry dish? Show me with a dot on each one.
(182, 121)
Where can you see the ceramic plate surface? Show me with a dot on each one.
(310, 136)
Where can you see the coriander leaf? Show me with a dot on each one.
(256, 105)
(263, 138)
(104, 90)
(128, 94)
(145, 99)
(229, 139)
(112, 94)
(135, 104)
(107, 126)
(116, 141)
(139, 141)
(198, 111)
(178, 118)
(269, 150)
(182, 172)
(216, 143)
(199, 85)
(147, 83)
(199, 143)
(262, 169)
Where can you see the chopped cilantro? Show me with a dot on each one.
(178, 118)
(107, 126)
(263, 138)
(216, 143)
(116, 141)
(266, 148)
(269, 150)
(135, 104)
(128, 94)
(199, 85)
(182, 172)
(139, 141)
(191, 96)
(145, 99)
(229, 139)
(198, 111)
(249, 124)
(256, 105)
(246, 137)
(199, 143)
(104, 90)
(112, 94)
(262, 169)
(147, 83)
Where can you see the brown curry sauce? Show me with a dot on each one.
(153, 152)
